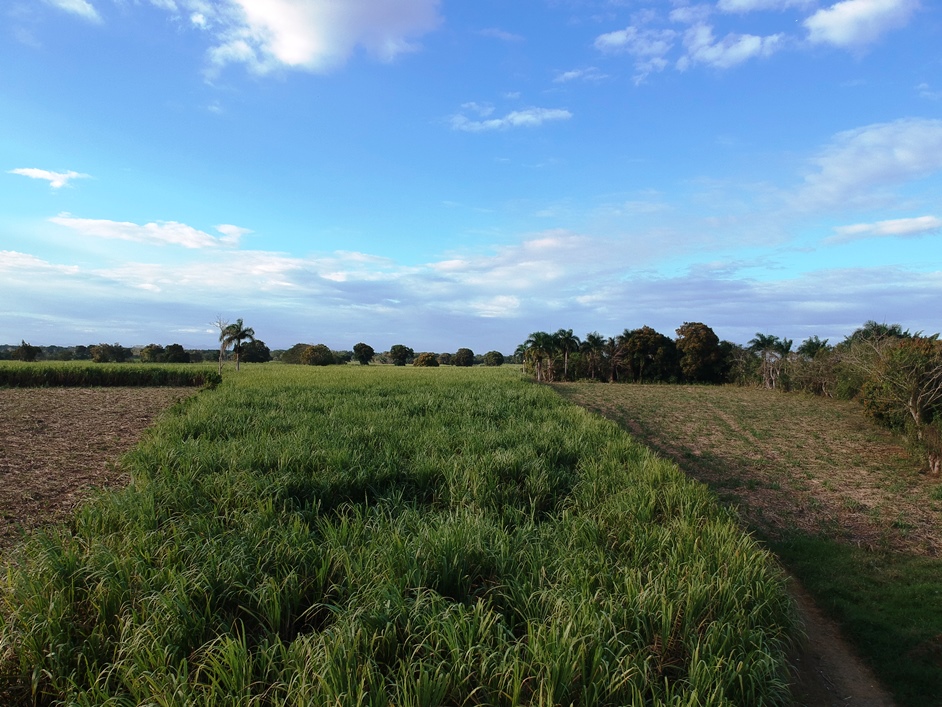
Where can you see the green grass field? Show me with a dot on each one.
(374, 535)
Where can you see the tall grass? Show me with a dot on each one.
(376, 536)
(77, 374)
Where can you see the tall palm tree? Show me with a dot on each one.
(566, 342)
(539, 350)
(767, 346)
(234, 334)
(593, 347)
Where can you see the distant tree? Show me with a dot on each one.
(538, 357)
(699, 349)
(400, 355)
(26, 352)
(153, 353)
(195, 356)
(255, 352)
(110, 353)
(293, 355)
(233, 335)
(363, 353)
(812, 346)
(444, 358)
(592, 349)
(318, 355)
(493, 358)
(175, 353)
(566, 343)
(646, 355)
(81, 353)
(426, 359)
(463, 357)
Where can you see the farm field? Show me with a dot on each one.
(838, 499)
(385, 536)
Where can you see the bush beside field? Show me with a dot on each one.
(376, 536)
(74, 374)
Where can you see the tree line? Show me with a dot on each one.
(894, 373)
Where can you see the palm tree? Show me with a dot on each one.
(593, 347)
(769, 349)
(567, 342)
(233, 334)
(540, 348)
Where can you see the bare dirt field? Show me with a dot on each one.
(58, 444)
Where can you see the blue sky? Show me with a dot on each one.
(446, 174)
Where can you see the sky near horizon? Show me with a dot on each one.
(450, 174)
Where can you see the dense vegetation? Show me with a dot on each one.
(20, 375)
(409, 536)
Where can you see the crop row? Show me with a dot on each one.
(71, 374)
(375, 536)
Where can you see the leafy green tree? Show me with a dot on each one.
(255, 352)
(493, 358)
(110, 353)
(463, 357)
(426, 359)
(195, 356)
(175, 353)
(699, 349)
(539, 348)
(26, 352)
(444, 358)
(400, 355)
(812, 346)
(363, 353)
(153, 353)
(318, 355)
(293, 355)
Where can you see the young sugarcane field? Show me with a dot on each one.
(375, 535)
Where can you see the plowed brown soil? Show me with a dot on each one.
(58, 444)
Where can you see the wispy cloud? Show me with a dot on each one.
(857, 23)
(82, 8)
(312, 35)
(56, 180)
(503, 35)
(589, 74)
(879, 155)
(894, 228)
(527, 118)
(156, 233)
(733, 49)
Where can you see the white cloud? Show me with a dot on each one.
(82, 8)
(317, 35)
(529, 117)
(856, 23)
(875, 155)
(157, 233)
(894, 228)
(12, 262)
(638, 42)
(56, 179)
(733, 49)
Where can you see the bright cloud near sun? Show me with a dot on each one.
(317, 35)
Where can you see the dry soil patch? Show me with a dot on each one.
(58, 444)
